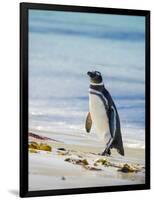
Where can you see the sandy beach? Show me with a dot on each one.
(63, 47)
(78, 164)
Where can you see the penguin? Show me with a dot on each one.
(103, 115)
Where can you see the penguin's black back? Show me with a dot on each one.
(117, 137)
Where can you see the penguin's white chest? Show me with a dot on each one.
(99, 117)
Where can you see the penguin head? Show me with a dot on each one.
(95, 77)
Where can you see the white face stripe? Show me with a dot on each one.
(100, 93)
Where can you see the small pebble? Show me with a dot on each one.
(61, 149)
(63, 178)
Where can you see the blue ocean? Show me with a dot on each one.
(63, 46)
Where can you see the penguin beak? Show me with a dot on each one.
(89, 74)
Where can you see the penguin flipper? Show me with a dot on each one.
(112, 122)
(88, 124)
(116, 133)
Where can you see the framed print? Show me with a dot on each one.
(84, 99)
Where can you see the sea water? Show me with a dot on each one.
(63, 46)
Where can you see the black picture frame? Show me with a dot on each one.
(24, 7)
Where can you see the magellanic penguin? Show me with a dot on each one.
(103, 115)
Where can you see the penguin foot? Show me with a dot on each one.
(106, 152)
